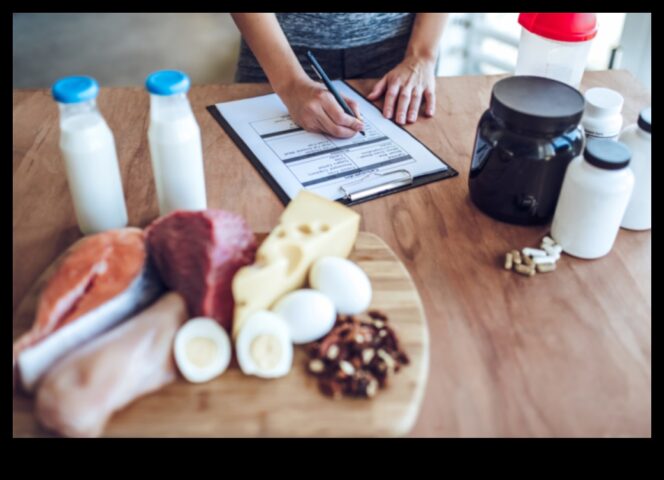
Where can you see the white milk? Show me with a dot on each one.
(93, 175)
(177, 156)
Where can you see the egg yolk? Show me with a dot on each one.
(265, 350)
(201, 351)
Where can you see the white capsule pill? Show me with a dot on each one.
(546, 267)
(545, 259)
(553, 250)
(548, 240)
(557, 248)
(533, 252)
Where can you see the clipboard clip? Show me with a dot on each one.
(405, 178)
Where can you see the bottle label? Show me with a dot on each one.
(606, 135)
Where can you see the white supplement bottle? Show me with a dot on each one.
(175, 144)
(637, 138)
(91, 162)
(593, 199)
(602, 117)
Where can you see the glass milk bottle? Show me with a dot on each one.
(91, 162)
(175, 144)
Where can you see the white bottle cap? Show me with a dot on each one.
(603, 101)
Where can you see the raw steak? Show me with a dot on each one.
(197, 253)
(101, 281)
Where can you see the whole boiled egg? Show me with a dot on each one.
(344, 282)
(263, 346)
(310, 314)
(202, 350)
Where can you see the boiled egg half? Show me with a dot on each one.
(202, 350)
(263, 347)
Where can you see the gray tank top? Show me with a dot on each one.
(343, 30)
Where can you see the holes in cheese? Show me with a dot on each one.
(312, 227)
(293, 254)
(306, 229)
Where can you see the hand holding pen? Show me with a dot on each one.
(313, 107)
(328, 83)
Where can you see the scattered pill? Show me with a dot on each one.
(553, 253)
(529, 260)
(533, 252)
(546, 267)
(545, 259)
(525, 270)
(553, 250)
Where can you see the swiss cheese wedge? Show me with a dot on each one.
(310, 227)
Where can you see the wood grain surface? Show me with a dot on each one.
(237, 405)
(561, 354)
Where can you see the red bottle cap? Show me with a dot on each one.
(564, 27)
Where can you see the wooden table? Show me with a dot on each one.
(560, 354)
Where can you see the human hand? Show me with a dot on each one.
(314, 108)
(405, 86)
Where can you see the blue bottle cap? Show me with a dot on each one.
(75, 89)
(167, 82)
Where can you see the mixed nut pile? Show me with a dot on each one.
(356, 357)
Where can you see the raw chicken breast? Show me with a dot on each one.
(80, 393)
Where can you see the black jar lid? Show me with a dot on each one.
(537, 104)
(607, 154)
(644, 119)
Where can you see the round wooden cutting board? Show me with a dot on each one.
(237, 405)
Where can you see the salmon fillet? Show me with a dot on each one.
(97, 269)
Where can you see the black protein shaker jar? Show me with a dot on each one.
(524, 142)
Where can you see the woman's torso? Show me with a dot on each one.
(343, 30)
(347, 45)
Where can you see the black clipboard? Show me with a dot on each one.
(283, 196)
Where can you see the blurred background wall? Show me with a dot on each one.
(122, 48)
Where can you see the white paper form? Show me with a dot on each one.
(298, 159)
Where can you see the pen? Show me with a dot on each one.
(326, 80)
